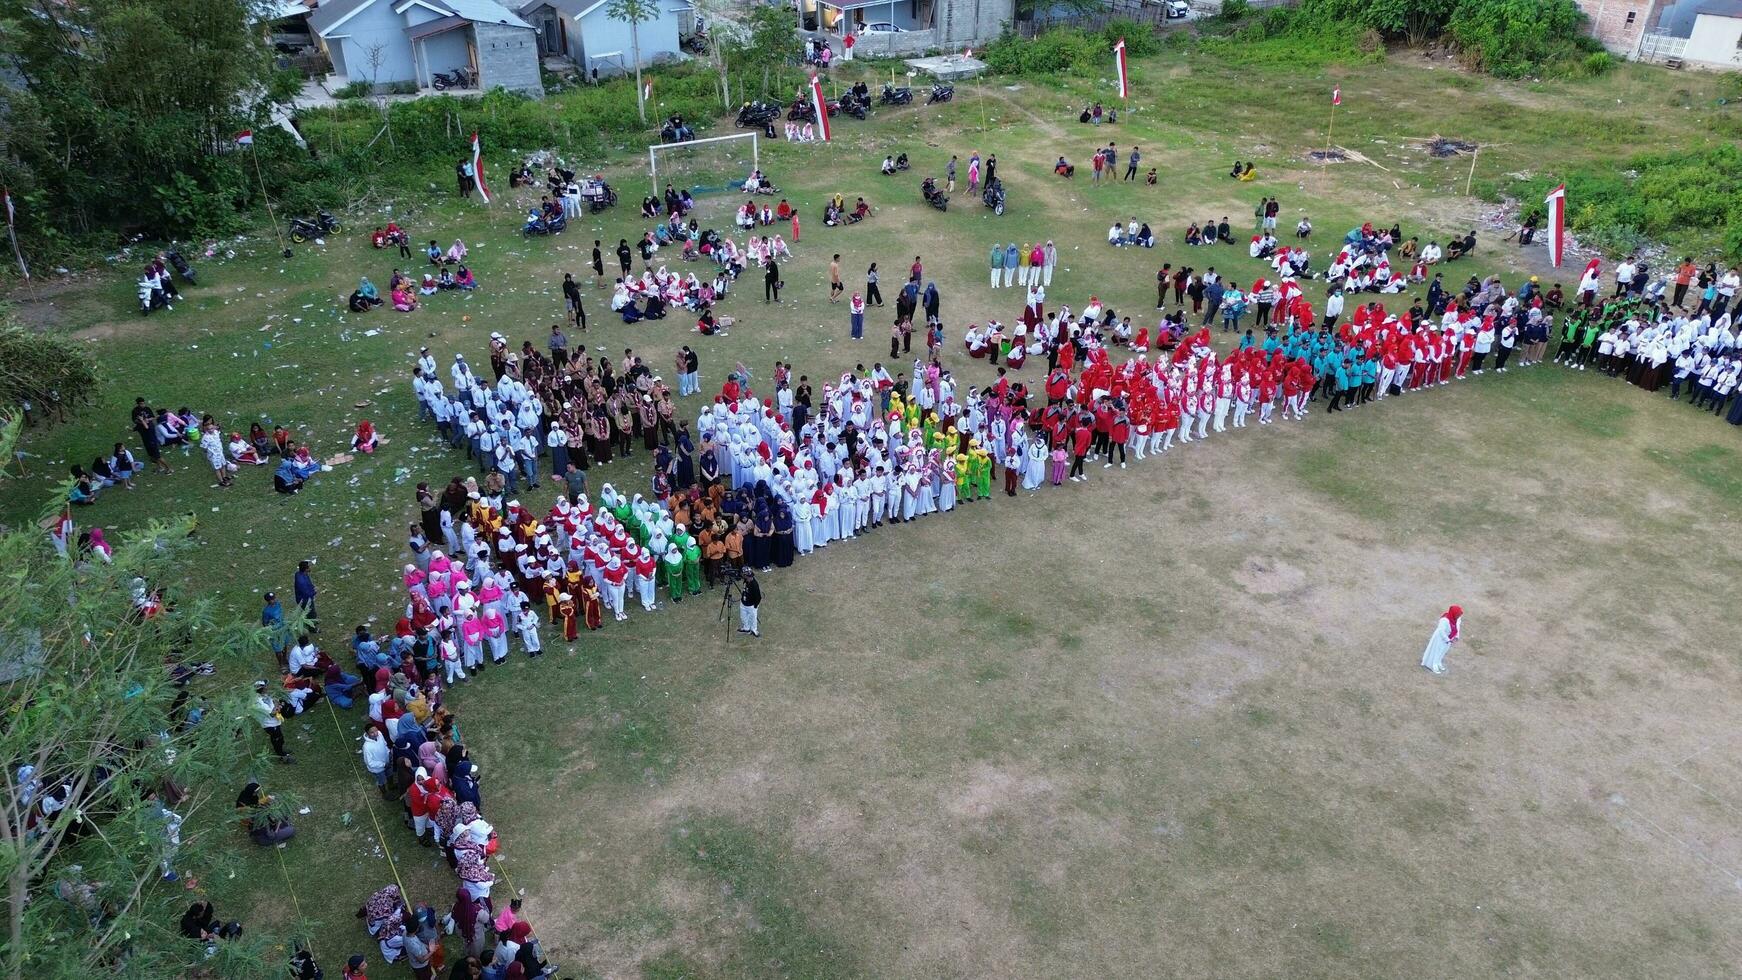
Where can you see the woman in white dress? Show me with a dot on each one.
(1445, 634)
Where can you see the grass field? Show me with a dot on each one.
(1167, 723)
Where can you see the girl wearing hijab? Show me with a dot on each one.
(384, 916)
(1445, 634)
(365, 439)
(783, 536)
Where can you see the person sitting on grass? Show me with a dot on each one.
(445, 280)
(365, 440)
(1116, 235)
(464, 280)
(1248, 174)
(1193, 235)
(1461, 247)
(1304, 230)
(1064, 168)
(286, 479)
(860, 212)
(456, 253)
(403, 301)
(888, 168)
(429, 285)
(252, 806)
(975, 341)
(243, 452)
(1145, 237)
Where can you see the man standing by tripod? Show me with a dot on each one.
(748, 600)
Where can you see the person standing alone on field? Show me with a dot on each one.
(1445, 634)
(835, 287)
(1131, 163)
(771, 281)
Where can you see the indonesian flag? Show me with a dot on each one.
(821, 105)
(1336, 95)
(11, 212)
(1119, 63)
(647, 90)
(245, 138)
(478, 169)
(967, 52)
(1557, 224)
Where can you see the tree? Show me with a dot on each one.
(104, 102)
(45, 370)
(634, 13)
(724, 37)
(107, 748)
(765, 42)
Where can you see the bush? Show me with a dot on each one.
(1683, 199)
(1514, 38)
(1234, 10)
(355, 90)
(1599, 63)
(43, 368)
(407, 87)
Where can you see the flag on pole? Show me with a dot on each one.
(821, 105)
(245, 138)
(1337, 95)
(647, 90)
(967, 52)
(11, 212)
(1119, 63)
(1557, 224)
(478, 169)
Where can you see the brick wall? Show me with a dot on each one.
(508, 58)
(1619, 24)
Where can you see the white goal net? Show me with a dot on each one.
(708, 165)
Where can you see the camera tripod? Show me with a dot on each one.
(728, 594)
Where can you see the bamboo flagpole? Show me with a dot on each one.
(1331, 126)
(12, 232)
(245, 138)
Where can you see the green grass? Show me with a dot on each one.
(1053, 736)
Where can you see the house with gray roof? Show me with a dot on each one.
(387, 41)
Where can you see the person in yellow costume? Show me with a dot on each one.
(962, 477)
(980, 466)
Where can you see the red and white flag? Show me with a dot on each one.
(821, 105)
(647, 90)
(1119, 63)
(1337, 95)
(11, 212)
(1557, 224)
(245, 138)
(478, 170)
(967, 52)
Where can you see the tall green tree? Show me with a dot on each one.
(111, 101)
(113, 758)
(634, 13)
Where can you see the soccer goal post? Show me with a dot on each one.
(654, 152)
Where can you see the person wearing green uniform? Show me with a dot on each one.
(980, 465)
(692, 566)
(1571, 327)
(671, 568)
(962, 478)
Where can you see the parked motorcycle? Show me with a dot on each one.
(458, 78)
(180, 265)
(322, 224)
(895, 96)
(941, 93)
(758, 113)
(802, 111)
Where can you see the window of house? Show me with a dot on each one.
(1632, 15)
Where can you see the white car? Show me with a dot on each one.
(882, 27)
(1177, 9)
